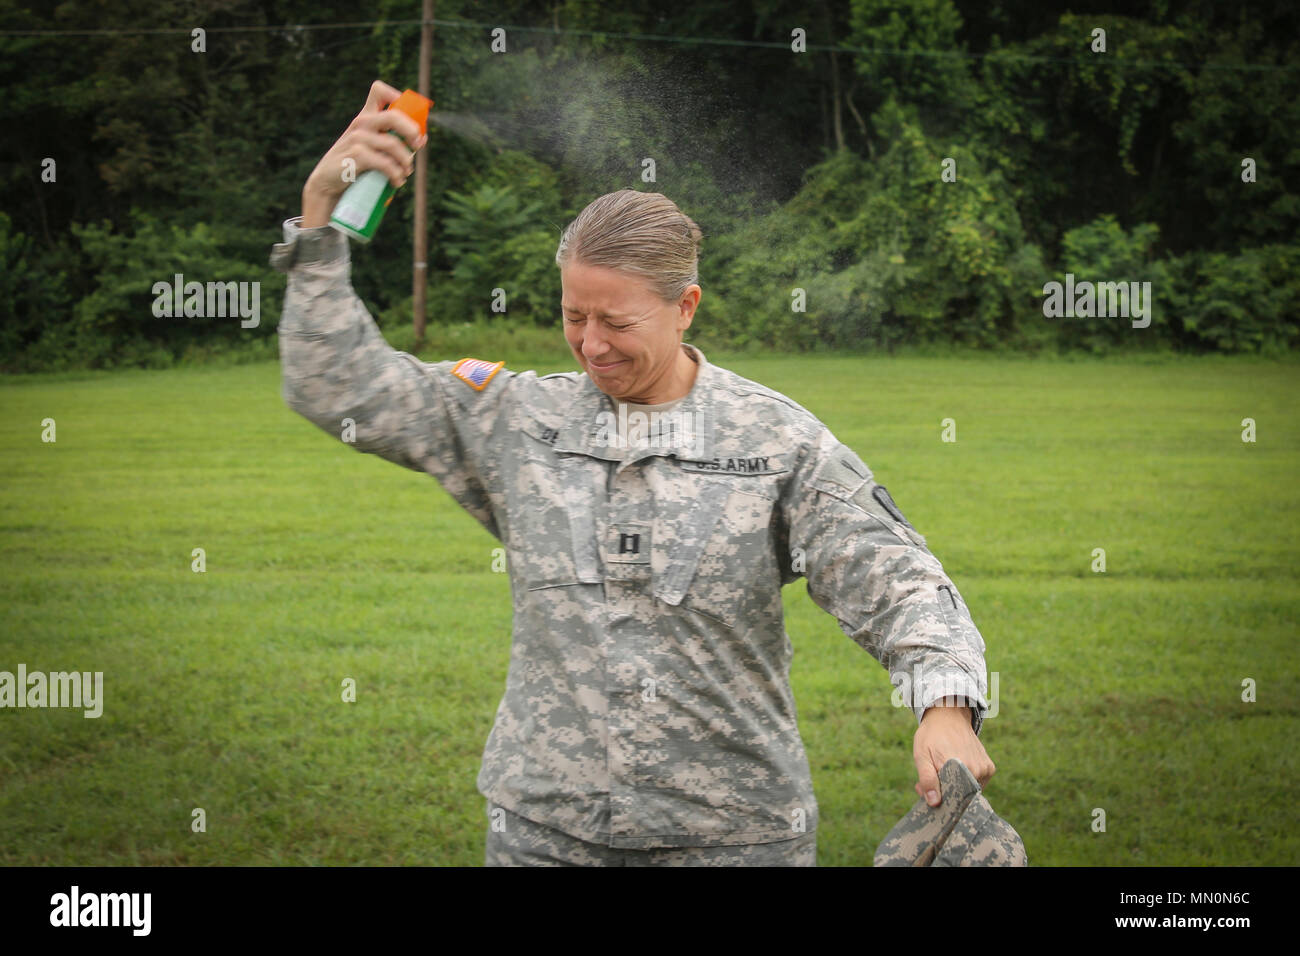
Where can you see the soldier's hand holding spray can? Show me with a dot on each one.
(354, 182)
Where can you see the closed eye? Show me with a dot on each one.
(576, 319)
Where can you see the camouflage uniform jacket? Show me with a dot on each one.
(647, 702)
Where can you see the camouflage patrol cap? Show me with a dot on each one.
(963, 830)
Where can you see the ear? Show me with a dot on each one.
(690, 301)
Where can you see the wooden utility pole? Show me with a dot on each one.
(420, 266)
(835, 102)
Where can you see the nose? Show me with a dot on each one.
(594, 345)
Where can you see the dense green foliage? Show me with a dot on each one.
(820, 171)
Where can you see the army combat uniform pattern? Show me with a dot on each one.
(513, 840)
(962, 831)
(647, 700)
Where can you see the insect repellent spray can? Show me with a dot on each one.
(362, 204)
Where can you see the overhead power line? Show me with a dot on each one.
(1109, 59)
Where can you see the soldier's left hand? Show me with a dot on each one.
(945, 732)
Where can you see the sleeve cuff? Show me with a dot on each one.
(300, 246)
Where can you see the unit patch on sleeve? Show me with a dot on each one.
(476, 373)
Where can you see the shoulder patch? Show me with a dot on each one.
(875, 500)
(881, 494)
(476, 373)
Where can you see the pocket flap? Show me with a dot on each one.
(689, 534)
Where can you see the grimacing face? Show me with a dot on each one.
(624, 336)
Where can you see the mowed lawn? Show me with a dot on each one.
(1118, 692)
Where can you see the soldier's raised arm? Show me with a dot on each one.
(339, 373)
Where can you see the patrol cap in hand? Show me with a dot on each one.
(963, 830)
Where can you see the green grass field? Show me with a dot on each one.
(1119, 690)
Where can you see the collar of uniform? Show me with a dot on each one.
(582, 429)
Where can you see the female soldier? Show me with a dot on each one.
(652, 507)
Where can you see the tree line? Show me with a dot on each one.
(868, 174)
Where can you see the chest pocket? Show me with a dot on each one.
(714, 553)
(552, 528)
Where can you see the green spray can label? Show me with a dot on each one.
(361, 207)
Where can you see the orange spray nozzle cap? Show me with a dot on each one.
(415, 106)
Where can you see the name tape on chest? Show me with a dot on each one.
(476, 373)
(759, 465)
